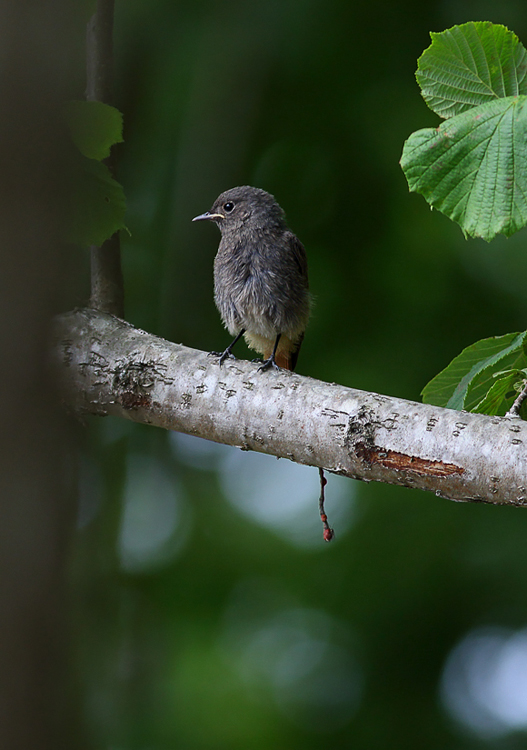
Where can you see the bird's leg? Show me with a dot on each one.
(228, 353)
(271, 362)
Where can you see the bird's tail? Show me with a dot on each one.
(284, 359)
(287, 352)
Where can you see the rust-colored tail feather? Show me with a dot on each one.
(286, 358)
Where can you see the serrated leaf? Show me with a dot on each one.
(481, 376)
(486, 377)
(470, 65)
(95, 127)
(98, 204)
(450, 387)
(473, 167)
(500, 396)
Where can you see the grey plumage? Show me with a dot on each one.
(260, 274)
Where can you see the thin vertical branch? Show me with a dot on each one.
(514, 411)
(107, 289)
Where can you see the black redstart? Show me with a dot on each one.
(260, 276)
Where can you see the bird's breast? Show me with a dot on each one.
(254, 289)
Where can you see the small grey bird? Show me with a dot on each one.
(260, 276)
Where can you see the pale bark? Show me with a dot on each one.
(110, 367)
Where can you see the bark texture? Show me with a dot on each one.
(109, 367)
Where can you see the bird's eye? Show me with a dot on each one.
(228, 207)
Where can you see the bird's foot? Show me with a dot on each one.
(267, 363)
(227, 354)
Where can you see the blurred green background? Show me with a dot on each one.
(208, 612)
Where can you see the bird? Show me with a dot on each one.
(261, 286)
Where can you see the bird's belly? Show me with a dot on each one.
(256, 302)
(255, 310)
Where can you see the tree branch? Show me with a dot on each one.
(109, 367)
(514, 411)
(107, 289)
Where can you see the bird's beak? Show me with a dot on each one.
(207, 216)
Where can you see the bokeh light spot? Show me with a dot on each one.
(484, 682)
(155, 517)
(301, 656)
(275, 493)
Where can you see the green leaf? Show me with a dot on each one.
(470, 65)
(485, 378)
(97, 204)
(500, 396)
(476, 364)
(473, 167)
(94, 127)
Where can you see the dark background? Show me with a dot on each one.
(208, 612)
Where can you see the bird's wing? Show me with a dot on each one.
(299, 254)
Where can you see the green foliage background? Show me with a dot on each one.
(312, 101)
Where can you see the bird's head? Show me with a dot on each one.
(244, 208)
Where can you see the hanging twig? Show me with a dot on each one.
(329, 534)
(107, 290)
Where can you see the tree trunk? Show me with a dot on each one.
(36, 512)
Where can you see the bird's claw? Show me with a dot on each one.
(227, 354)
(267, 363)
